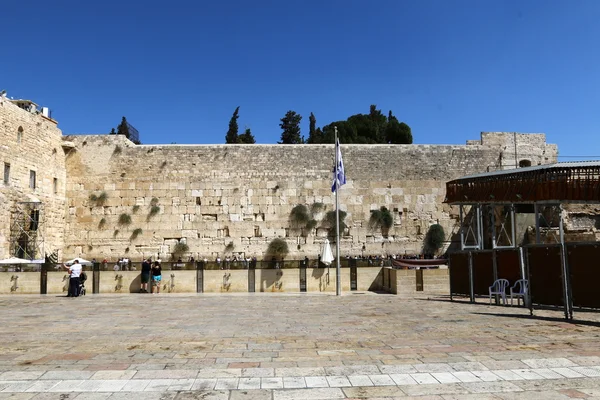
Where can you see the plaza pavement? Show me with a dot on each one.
(290, 346)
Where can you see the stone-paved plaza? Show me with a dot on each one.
(291, 346)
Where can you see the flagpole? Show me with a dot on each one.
(338, 278)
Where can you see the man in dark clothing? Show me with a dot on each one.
(146, 266)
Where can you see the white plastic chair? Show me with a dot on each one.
(499, 288)
(518, 290)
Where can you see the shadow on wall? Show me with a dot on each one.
(272, 282)
(136, 284)
(377, 284)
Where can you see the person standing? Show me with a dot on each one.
(156, 277)
(74, 273)
(146, 267)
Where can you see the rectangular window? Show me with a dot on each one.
(31, 179)
(55, 185)
(6, 173)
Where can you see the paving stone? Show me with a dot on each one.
(106, 374)
(360, 380)
(181, 385)
(568, 372)
(251, 394)
(547, 373)
(135, 385)
(403, 379)
(293, 382)
(316, 382)
(66, 386)
(17, 386)
(338, 381)
(20, 375)
(549, 363)
(308, 394)
(445, 377)
(257, 372)
(587, 371)
(491, 387)
(433, 368)
(382, 380)
(423, 378)
(158, 385)
(271, 383)
(466, 376)
(227, 383)
(249, 383)
(201, 395)
(508, 375)
(203, 384)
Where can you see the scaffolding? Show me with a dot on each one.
(26, 231)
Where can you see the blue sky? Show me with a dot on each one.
(178, 69)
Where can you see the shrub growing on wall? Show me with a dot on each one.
(124, 219)
(153, 211)
(278, 248)
(137, 232)
(329, 222)
(434, 239)
(381, 219)
(98, 200)
(180, 249)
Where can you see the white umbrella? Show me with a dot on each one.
(326, 254)
(81, 261)
(15, 260)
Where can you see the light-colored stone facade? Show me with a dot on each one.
(31, 142)
(235, 199)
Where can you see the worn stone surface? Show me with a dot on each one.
(232, 199)
(291, 346)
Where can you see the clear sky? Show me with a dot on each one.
(177, 69)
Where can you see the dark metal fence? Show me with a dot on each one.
(564, 276)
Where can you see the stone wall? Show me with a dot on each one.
(31, 142)
(235, 199)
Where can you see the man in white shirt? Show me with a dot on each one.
(74, 273)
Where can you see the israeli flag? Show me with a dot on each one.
(339, 176)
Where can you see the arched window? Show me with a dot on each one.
(20, 134)
(524, 163)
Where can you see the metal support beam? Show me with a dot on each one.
(493, 212)
(462, 225)
(513, 220)
(537, 223)
(471, 279)
(479, 227)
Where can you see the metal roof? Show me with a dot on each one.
(564, 182)
(569, 164)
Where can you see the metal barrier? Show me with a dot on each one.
(559, 275)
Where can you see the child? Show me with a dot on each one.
(156, 277)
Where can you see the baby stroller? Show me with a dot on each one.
(82, 279)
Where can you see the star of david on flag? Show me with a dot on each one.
(339, 176)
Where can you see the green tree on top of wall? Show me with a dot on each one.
(247, 137)
(232, 136)
(232, 133)
(373, 127)
(290, 124)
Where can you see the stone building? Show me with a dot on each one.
(105, 197)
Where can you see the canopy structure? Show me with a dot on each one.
(489, 201)
(569, 182)
(15, 260)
